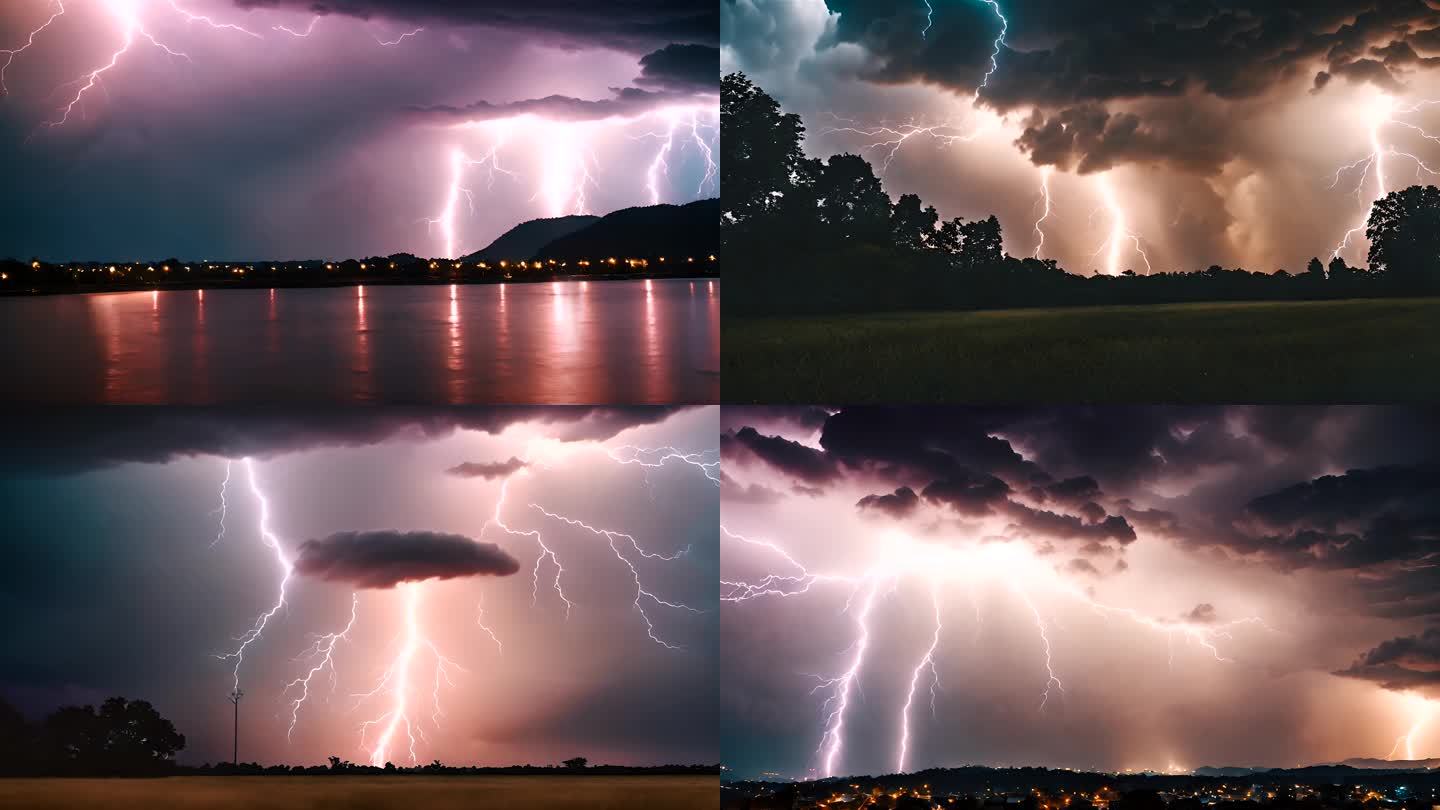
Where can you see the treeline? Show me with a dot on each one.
(339, 767)
(802, 235)
(130, 738)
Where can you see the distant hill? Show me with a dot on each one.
(1392, 764)
(524, 241)
(657, 230)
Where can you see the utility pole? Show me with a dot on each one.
(235, 699)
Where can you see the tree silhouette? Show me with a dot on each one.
(577, 762)
(759, 147)
(982, 243)
(1404, 234)
(124, 736)
(802, 235)
(852, 201)
(911, 227)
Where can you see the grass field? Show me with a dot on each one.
(1295, 351)
(367, 793)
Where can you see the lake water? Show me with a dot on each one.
(612, 342)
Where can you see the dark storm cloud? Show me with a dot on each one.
(954, 460)
(1068, 62)
(1203, 613)
(384, 559)
(1358, 519)
(623, 24)
(1404, 663)
(898, 504)
(791, 458)
(734, 492)
(627, 102)
(968, 494)
(681, 67)
(1060, 53)
(62, 441)
(486, 470)
(1056, 526)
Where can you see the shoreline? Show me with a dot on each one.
(247, 284)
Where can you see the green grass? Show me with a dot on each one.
(366, 793)
(1306, 351)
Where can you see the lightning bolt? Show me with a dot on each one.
(568, 164)
(996, 46)
(408, 694)
(641, 593)
(708, 461)
(1373, 164)
(674, 119)
(480, 622)
(271, 542)
(937, 564)
(1120, 232)
(309, 29)
(399, 39)
(11, 54)
(223, 509)
(927, 661)
(1422, 710)
(322, 652)
(1045, 195)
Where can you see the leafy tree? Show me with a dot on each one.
(982, 244)
(1404, 233)
(123, 736)
(1314, 268)
(577, 762)
(911, 227)
(947, 238)
(852, 201)
(759, 148)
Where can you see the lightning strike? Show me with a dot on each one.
(1385, 114)
(1120, 232)
(399, 39)
(900, 559)
(1045, 214)
(223, 509)
(10, 54)
(1422, 709)
(927, 661)
(322, 652)
(309, 29)
(641, 593)
(271, 542)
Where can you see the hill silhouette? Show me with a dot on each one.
(523, 241)
(690, 230)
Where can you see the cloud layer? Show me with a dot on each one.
(384, 559)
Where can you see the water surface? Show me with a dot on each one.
(605, 342)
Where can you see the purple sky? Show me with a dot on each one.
(255, 142)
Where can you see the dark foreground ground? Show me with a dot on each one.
(1373, 350)
(367, 793)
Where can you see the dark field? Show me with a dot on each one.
(367, 793)
(1373, 350)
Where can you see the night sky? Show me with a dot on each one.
(1211, 131)
(1213, 586)
(296, 130)
(128, 587)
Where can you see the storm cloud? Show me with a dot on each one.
(57, 441)
(1222, 558)
(384, 559)
(487, 469)
(1218, 126)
